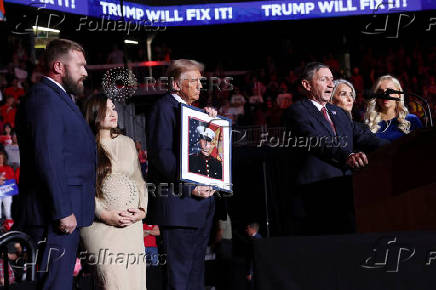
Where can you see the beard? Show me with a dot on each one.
(72, 86)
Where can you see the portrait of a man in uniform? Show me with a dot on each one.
(202, 162)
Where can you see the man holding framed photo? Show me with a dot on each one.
(184, 212)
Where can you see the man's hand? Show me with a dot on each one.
(357, 160)
(203, 191)
(211, 111)
(68, 224)
(2, 178)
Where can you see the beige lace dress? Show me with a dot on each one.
(118, 254)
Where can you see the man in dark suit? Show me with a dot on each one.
(324, 175)
(183, 212)
(252, 231)
(58, 158)
(203, 163)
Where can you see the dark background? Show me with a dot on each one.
(247, 46)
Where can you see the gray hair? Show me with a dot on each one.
(310, 69)
(179, 66)
(345, 82)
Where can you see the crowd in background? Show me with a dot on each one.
(261, 96)
(258, 98)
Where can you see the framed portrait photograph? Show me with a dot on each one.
(205, 146)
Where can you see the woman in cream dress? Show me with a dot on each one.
(114, 242)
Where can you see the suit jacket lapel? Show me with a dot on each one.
(63, 95)
(318, 115)
(69, 101)
(173, 101)
(335, 119)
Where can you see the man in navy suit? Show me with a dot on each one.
(324, 173)
(183, 212)
(252, 231)
(58, 163)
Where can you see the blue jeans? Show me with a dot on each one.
(152, 256)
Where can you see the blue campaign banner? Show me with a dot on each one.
(428, 4)
(9, 188)
(68, 6)
(235, 12)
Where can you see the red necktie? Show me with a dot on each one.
(326, 116)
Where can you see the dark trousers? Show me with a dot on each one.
(57, 254)
(329, 207)
(186, 249)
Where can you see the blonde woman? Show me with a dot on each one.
(390, 119)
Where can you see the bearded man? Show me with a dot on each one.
(58, 165)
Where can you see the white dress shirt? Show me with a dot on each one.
(178, 99)
(319, 107)
(58, 84)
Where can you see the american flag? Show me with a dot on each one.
(194, 137)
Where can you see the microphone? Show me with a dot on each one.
(382, 96)
(392, 91)
(385, 95)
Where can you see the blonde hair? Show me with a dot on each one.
(373, 115)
